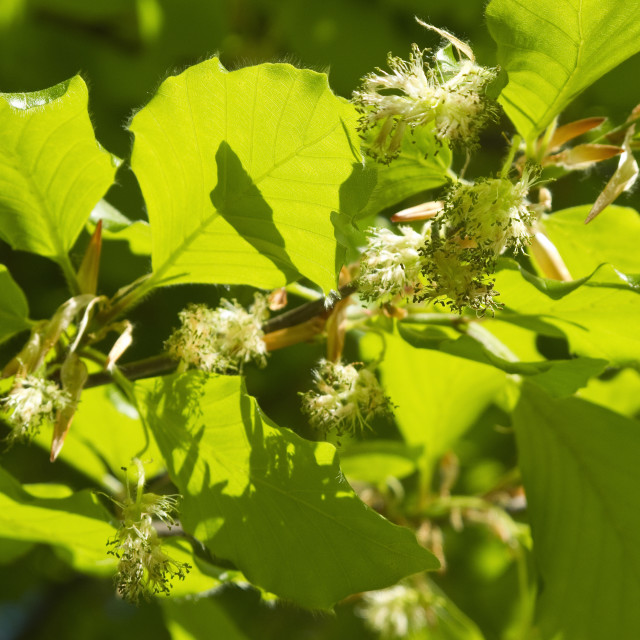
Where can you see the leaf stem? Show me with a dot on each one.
(69, 273)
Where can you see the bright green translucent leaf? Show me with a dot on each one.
(14, 311)
(199, 619)
(422, 165)
(375, 461)
(596, 314)
(52, 169)
(105, 435)
(580, 470)
(274, 504)
(202, 576)
(553, 50)
(612, 237)
(77, 526)
(115, 226)
(438, 396)
(241, 171)
(559, 377)
(620, 393)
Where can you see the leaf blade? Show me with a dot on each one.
(554, 50)
(268, 500)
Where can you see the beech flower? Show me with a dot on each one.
(220, 340)
(492, 213)
(449, 98)
(144, 568)
(391, 263)
(479, 222)
(346, 398)
(32, 402)
(395, 612)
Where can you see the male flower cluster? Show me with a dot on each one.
(220, 340)
(346, 399)
(143, 567)
(32, 402)
(400, 611)
(448, 97)
(391, 264)
(453, 258)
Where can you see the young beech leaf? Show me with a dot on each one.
(52, 169)
(553, 50)
(274, 504)
(241, 170)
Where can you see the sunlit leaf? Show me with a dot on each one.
(241, 171)
(14, 311)
(559, 377)
(594, 313)
(580, 471)
(422, 165)
(274, 504)
(196, 619)
(52, 169)
(78, 526)
(552, 51)
(614, 238)
(438, 396)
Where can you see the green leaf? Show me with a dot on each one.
(274, 504)
(611, 237)
(14, 311)
(595, 313)
(377, 460)
(422, 165)
(77, 526)
(580, 469)
(196, 620)
(241, 171)
(620, 393)
(52, 169)
(553, 50)
(438, 396)
(559, 377)
(105, 436)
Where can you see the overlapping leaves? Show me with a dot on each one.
(274, 504)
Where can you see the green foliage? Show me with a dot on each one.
(552, 51)
(240, 170)
(583, 522)
(14, 311)
(278, 500)
(53, 169)
(509, 459)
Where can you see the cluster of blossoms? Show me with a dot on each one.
(454, 256)
(392, 264)
(400, 611)
(143, 567)
(220, 340)
(32, 402)
(346, 399)
(449, 98)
